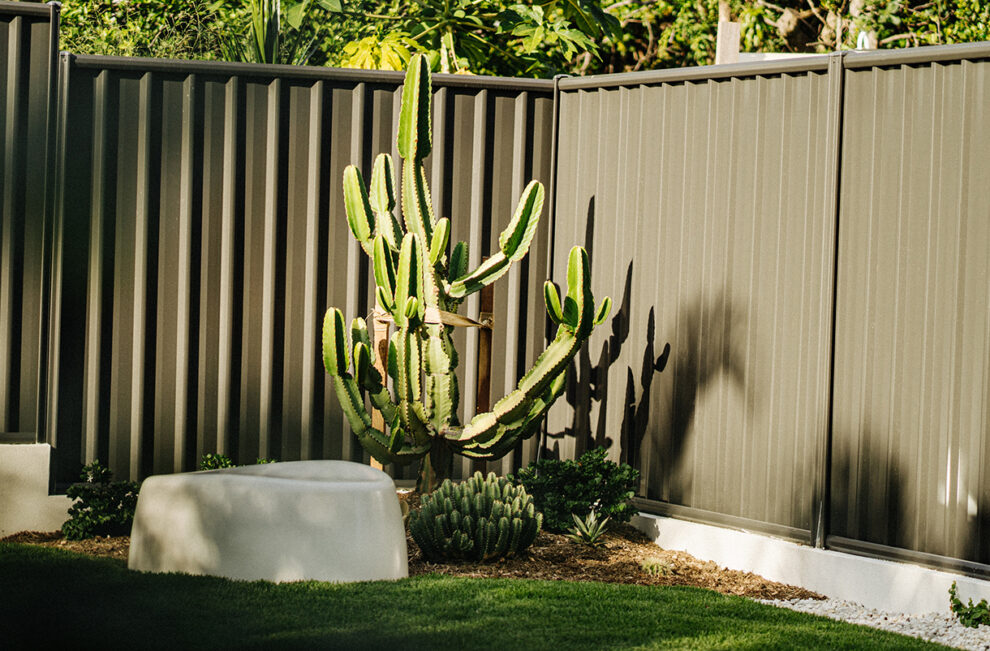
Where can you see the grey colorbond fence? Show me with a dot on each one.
(734, 213)
(708, 204)
(911, 416)
(200, 238)
(810, 237)
(28, 41)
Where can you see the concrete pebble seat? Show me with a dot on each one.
(301, 520)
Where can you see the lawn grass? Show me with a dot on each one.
(53, 598)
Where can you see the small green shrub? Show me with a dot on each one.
(212, 461)
(561, 489)
(970, 615)
(478, 519)
(589, 531)
(102, 507)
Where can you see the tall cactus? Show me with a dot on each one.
(419, 288)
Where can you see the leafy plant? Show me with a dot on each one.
(481, 519)
(168, 29)
(655, 567)
(589, 531)
(419, 289)
(970, 615)
(389, 52)
(276, 36)
(212, 461)
(102, 507)
(565, 488)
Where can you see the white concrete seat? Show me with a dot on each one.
(300, 520)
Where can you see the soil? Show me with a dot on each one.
(551, 557)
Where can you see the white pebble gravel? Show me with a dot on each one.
(934, 627)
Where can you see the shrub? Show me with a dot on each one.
(102, 507)
(970, 615)
(212, 461)
(478, 519)
(561, 489)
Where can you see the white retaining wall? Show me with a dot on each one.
(884, 585)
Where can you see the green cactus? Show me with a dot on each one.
(419, 289)
(480, 519)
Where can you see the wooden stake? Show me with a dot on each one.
(483, 402)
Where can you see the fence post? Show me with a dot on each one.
(823, 453)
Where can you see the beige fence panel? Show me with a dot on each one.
(706, 201)
(911, 425)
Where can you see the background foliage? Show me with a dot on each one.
(532, 39)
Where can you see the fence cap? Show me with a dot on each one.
(353, 75)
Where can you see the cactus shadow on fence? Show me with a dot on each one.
(588, 383)
(698, 361)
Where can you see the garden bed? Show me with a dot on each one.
(551, 557)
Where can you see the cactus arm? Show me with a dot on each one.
(382, 193)
(441, 235)
(384, 272)
(513, 243)
(416, 208)
(487, 272)
(441, 382)
(518, 235)
(603, 311)
(579, 291)
(358, 208)
(458, 260)
(409, 404)
(552, 298)
(334, 342)
(414, 139)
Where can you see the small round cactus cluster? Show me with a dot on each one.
(481, 519)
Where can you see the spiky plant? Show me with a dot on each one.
(419, 289)
(481, 519)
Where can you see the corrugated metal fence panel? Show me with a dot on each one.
(28, 39)
(203, 237)
(911, 458)
(706, 208)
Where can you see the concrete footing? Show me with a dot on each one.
(884, 585)
(25, 504)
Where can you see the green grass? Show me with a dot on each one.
(52, 598)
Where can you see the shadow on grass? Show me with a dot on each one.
(56, 598)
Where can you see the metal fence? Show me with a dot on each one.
(29, 40)
(911, 413)
(707, 199)
(809, 237)
(200, 238)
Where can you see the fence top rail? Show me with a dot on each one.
(28, 9)
(227, 68)
(699, 73)
(924, 54)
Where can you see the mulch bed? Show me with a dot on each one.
(551, 557)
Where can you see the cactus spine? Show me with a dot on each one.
(481, 519)
(419, 289)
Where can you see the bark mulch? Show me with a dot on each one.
(550, 557)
